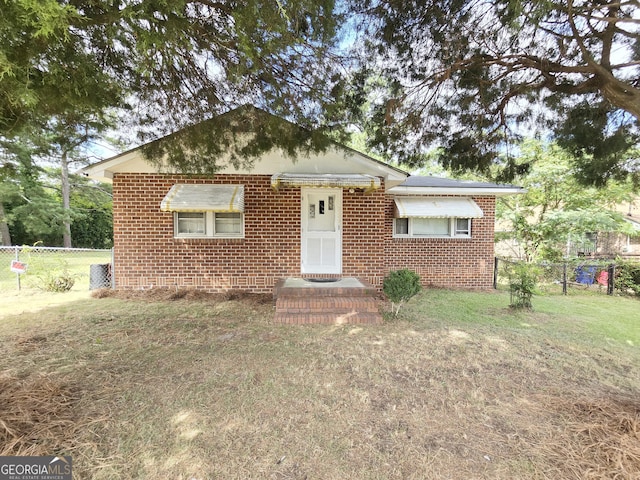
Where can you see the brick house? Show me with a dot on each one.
(335, 214)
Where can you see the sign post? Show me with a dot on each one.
(18, 267)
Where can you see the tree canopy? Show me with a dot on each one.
(164, 63)
(556, 211)
(474, 75)
(469, 76)
(33, 207)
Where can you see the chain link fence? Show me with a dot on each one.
(54, 269)
(593, 275)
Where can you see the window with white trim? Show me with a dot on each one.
(208, 225)
(432, 227)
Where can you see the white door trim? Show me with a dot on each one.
(332, 239)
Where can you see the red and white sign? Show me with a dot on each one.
(18, 267)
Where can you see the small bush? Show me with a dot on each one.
(399, 286)
(523, 278)
(58, 282)
(628, 277)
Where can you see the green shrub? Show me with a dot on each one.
(399, 286)
(628, 277)
(54, 276)
(58, 282)
(523, 278)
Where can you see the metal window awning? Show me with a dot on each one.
(325, 180)
(204, 198)
(430, 207)
(635, 224)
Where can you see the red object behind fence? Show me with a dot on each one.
(603, 278)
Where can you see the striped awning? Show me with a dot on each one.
(435, 207)
(325, 180)
(204, 198)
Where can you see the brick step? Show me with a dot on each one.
(312, 304)
(348, 300)
(327, 310)
(328, 318)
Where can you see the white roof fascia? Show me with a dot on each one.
(454, 191)
(335, 160)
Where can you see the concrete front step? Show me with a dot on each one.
(346, 287)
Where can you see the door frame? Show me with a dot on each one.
(337, 234)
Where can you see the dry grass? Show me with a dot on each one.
(183, 385)
(601, 437)
(36, 416)
(173, 294)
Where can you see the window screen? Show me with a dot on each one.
(228, 223)
(463, 227)
(431, 226)
(402, 226)
(191, 223)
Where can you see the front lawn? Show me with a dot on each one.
(194, 387)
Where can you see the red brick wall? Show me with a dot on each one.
(363, 235)
(147, 254)
(447, 262)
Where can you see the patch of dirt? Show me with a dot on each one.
(190, 294)
(32, 343)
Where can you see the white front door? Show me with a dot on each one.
(321, 230)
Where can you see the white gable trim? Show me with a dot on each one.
(336, 160)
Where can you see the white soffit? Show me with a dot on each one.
(424, 207)
(204, 198)
(325, 180)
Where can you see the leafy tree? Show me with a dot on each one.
(93, 207)
(473, 75)
(63, 141)
(65, 65)
(5, 234)
(9, 193)
(167, 63)
(50, 64)
(241, 135)
(523, 278)
(30, 208)
(31, 196)
(556, 207)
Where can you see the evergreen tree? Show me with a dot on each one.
(32, 196)
(472, 76)
(166, 64)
